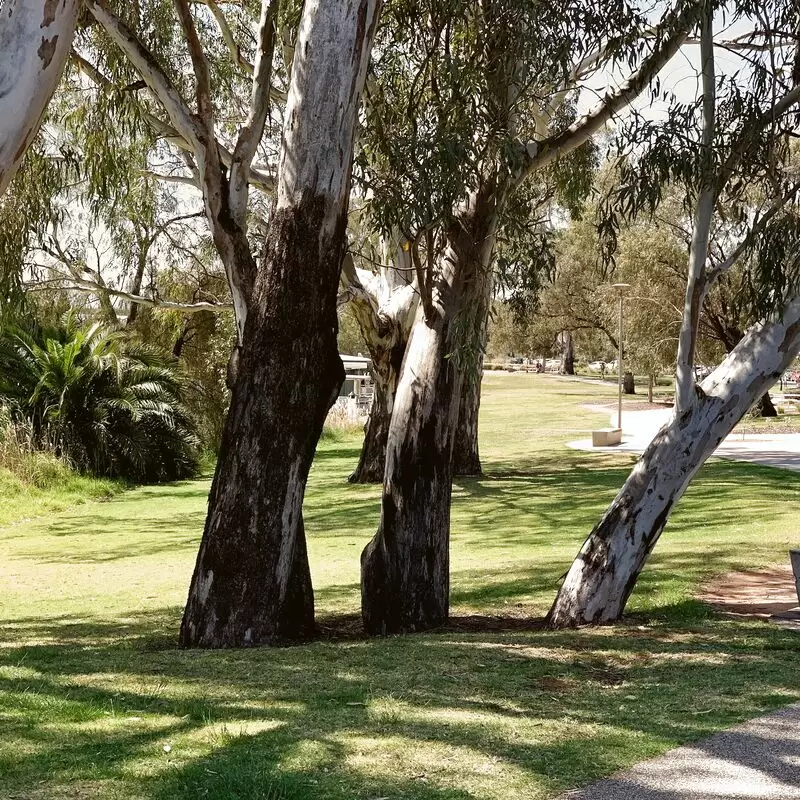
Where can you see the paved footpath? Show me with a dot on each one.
(638, 428)
(759, 760)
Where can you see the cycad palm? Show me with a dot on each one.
(110, 406)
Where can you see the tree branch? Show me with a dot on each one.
(148, 67)
(251, 132)
(698, 253)
(675, 30)
(205, 108)
(91, 287)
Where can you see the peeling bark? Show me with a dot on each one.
(35, 40)
(384, 305)
(405, 568)
(605, 572)
(251, 583)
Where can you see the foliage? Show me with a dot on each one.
(747, 166)
(110, 406)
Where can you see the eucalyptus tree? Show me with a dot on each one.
(251, 583)
(732, 142)
(35, 38)
(444, 173)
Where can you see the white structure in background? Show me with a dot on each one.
(355, 394)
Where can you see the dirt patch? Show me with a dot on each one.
(752, 593)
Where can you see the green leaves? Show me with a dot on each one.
(109, 406)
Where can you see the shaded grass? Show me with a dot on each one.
(93, 689)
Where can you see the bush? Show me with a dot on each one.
(108, 406)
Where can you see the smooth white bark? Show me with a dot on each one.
(323, 101)
(35, 40)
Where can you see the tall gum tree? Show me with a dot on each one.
(603, 575)
(35, 40)
(405, 568)
(251, 584)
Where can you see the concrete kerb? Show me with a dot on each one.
(759, 760)
(780, 450)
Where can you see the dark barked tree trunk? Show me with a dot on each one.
(405, 569)
(251, 583)
(386, 365)
(466, 452)
(603, 575)
(765, 407)
(628, 384)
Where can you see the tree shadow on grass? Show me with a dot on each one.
(440, 716)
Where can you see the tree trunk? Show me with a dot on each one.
(405, 568)
(650, 384)
(384, 305)
(605, 572)
(386, 366)
(35, 40)
(628, 386)
(251, 583)
(567, 353)
(138, 277)
(765, 407)
(466, 455)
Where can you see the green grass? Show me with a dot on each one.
(94, 691)
(35, 484)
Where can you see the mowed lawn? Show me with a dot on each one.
(96, 701)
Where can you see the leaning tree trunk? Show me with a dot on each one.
(405, 568)
(466, 454)
(603, 575)
(386, 365)
(251, 583)
(35, 40)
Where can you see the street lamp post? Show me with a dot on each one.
(620, 287)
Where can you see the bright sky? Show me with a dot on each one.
(681, 74)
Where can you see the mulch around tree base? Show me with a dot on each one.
(766, 594)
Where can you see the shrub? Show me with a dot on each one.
(109, 406)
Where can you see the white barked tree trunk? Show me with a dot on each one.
(35, 40)
(605, 571)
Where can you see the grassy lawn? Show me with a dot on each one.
(41, 485)
(97, 702)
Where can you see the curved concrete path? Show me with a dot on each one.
(759, 760)
(639, 427)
